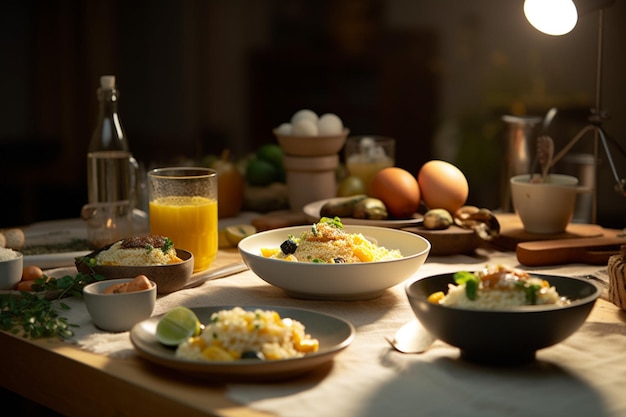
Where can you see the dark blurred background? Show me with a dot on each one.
(200, 76)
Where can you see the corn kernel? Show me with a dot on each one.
(436, 297)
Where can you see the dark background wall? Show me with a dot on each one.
(199, 76)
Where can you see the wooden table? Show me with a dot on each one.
(94, 382)
(72, 381)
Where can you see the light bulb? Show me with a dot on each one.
(552, 17)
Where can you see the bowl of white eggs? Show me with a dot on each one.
(308, 134)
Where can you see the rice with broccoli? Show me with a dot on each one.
(496, 287)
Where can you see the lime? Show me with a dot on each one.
(261, 173)
(351, 186)
(236, 233)
(177, 325)
(271, 153)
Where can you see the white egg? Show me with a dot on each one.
(304, 114)
(329, 124)
(305, 127)
(284, 129)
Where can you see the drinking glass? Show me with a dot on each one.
(366, 155)
(183, 207)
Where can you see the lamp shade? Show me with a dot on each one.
(552, 17)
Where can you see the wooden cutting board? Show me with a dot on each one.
(593, 251)
(512, 232)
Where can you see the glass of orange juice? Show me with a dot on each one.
(366, 155)
(183, 207)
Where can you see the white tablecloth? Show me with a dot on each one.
(583, 376)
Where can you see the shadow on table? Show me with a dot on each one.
(453, 386)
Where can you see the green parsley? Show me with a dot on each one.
(336, 222)
(34, 315)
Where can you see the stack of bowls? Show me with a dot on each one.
(310, 163)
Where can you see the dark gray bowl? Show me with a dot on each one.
(503, 337)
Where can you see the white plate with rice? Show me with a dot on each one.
(333, 333)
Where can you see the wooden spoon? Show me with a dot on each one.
(545, 153)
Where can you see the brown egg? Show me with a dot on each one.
(442, 185)
(398, 190)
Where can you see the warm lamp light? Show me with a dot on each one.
(552, 17)
(558, 17)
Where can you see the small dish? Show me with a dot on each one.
(334, 335)
(54, 260)
(11, 269)
(508, 336)
(312, 212)
(118, 312)
(345, 281)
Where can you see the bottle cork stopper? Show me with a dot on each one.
(107, 82)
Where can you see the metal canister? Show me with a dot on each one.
(520, 136)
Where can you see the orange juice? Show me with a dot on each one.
(191, 223)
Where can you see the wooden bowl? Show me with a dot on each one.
(169, 278)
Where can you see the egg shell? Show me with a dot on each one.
(398, 190)
(304, 114)
(442, 185)
(329, 124)
(305, 127)
(284, 129)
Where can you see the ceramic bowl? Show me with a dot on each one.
(169, 278)
(11, 270)
(118, 312)
(355, 281)
(311, 145)
(505, 336)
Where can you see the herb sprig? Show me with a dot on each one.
(34, 315)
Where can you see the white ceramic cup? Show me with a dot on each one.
(545, 207)
(118, 312)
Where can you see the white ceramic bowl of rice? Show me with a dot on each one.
(340, 281)
(11, 266)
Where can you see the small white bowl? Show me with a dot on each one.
(11, 271)
(354, 281)
(118, 312)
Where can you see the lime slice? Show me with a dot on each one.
(222, 240)
(236, 233)
(177, 325)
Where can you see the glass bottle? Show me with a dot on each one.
(111, 168)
